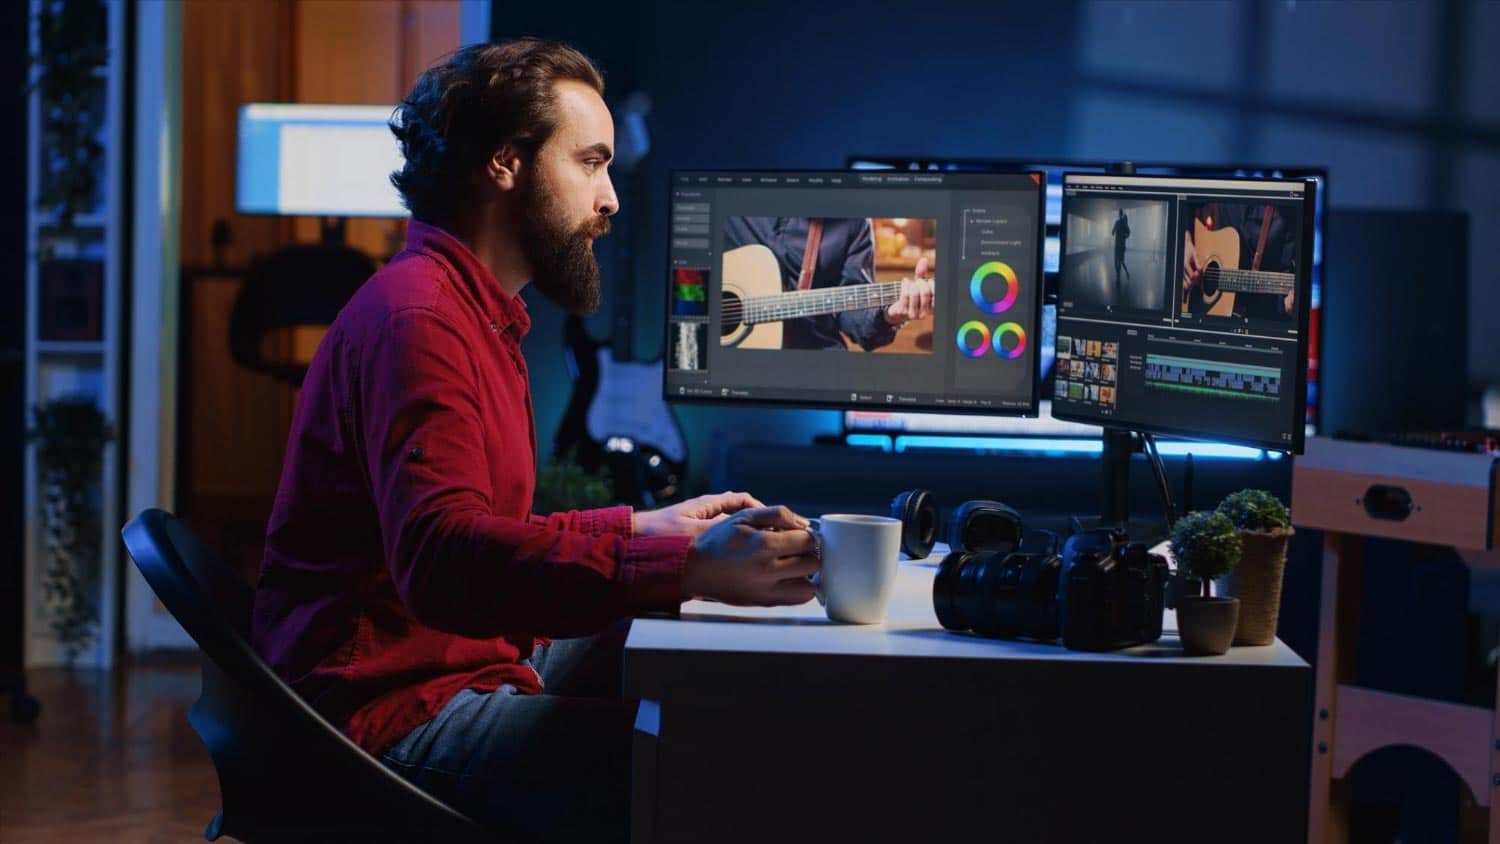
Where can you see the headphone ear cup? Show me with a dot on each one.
(919, 518)
(984, 526)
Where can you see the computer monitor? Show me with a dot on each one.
(317, 160)
(1183, 306)
(743, 326)
(1054, 169)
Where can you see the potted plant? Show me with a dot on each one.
(1206, 547)
(563, 485)
(72, 42)
(1264, 527)
(70, 435)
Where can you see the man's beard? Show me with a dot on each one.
(562, 258)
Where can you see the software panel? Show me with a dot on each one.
(1183, 306)
(751, 317)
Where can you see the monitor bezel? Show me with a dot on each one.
(1304, 292)
(1033, 409)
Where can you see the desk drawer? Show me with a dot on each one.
(1416, 495)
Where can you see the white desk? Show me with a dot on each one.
(775, 724)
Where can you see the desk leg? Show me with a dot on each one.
(1495, 772)
(1338, 636)
(643, 778)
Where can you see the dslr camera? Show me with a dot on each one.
(1101, 593)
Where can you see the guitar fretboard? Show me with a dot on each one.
(1251, 281)
(803, 303)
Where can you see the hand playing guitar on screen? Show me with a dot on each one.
(916, 298)
(1193, 270)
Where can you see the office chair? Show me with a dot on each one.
(285, 773)
(299, 286)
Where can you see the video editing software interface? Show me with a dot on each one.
(1054, 170)
(1183, 306)
(750, 318)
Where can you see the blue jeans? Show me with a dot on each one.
(548, 767)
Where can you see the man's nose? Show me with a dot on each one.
(607, 203)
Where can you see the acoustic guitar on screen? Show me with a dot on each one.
(754, 304)
(1219, 255)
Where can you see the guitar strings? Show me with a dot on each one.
(804, 303)
(851, 297)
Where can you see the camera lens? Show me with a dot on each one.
(997, 593)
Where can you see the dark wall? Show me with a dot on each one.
(1391, 97)
(750, 85)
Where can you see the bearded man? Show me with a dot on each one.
(407, 590)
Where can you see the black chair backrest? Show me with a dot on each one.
(305, 284)
(285, 772)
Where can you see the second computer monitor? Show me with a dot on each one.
(757, 315)
(1183, 306)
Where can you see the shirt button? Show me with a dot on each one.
(416, 453)
(494, 328)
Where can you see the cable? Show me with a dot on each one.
(1160, 472)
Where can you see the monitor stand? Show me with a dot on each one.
(332, 230)
(1120, 445)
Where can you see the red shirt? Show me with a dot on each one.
(402, 561)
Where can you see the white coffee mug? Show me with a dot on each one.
(859, 555)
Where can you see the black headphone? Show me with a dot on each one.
(984, 526)
(974, 526)
(919, 518)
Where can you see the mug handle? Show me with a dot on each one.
(815, 527)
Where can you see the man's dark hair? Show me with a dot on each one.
(472, 103)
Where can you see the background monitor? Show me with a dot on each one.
(1224, 358)
(1054, 169)
(739, 329)
(317, 160)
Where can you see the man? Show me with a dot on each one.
(1121, 231)
(407, 591)
(846, 255)
(1279, 255)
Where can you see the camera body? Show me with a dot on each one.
(1111, 592)
(1101, 593)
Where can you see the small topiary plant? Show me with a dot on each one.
(1206, 546)
(1255, 510)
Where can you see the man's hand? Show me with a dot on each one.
(759, 557)
(1288, 303)
(1192, 271)
(916, 298)
(693, 516)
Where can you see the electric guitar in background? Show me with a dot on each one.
(1219, 255)
(754, 304)
(616, 417)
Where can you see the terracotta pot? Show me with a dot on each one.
(1256, 581)
(1206, 625)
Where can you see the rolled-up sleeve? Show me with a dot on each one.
(457, 566)
(866, 326)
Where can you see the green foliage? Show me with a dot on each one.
(1255, 509)
(70, 435)
(1206, 545)
(565, 485)
(72, 41)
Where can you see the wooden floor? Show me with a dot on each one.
(111, 758)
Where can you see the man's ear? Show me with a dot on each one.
(504, 168)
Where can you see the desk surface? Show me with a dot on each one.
(911, 629)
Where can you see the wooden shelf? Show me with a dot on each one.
(1414, 495)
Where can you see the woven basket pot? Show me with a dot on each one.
(1256, 581)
